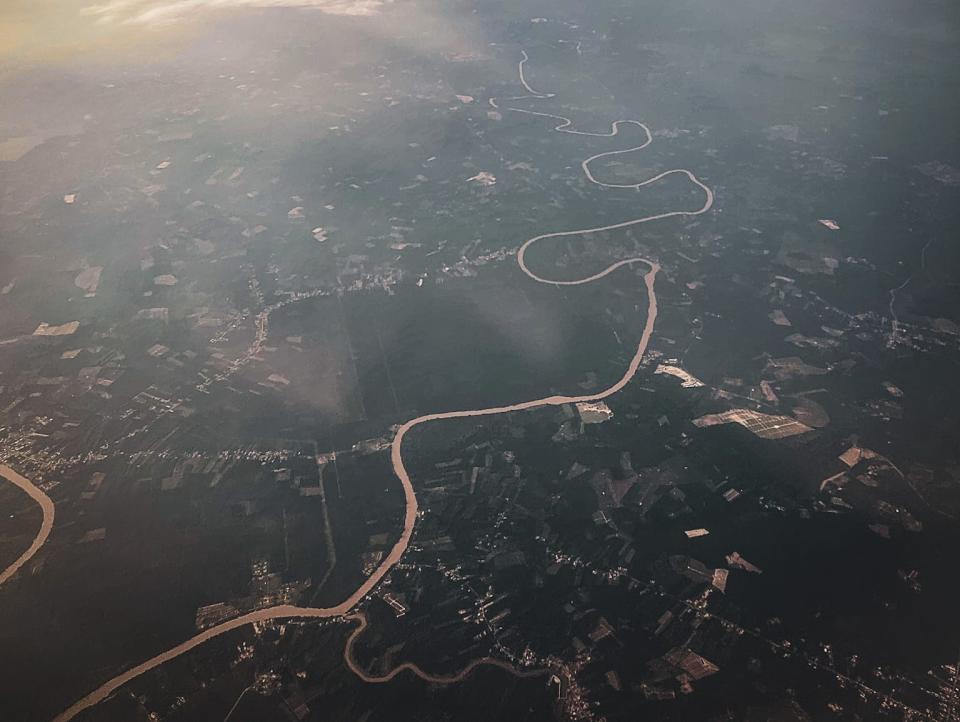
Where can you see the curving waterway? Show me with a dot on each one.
(46, 506)
(343, 609)
(414, 669)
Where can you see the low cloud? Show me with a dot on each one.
(163, 12)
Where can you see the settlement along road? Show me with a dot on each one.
(396, 455)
